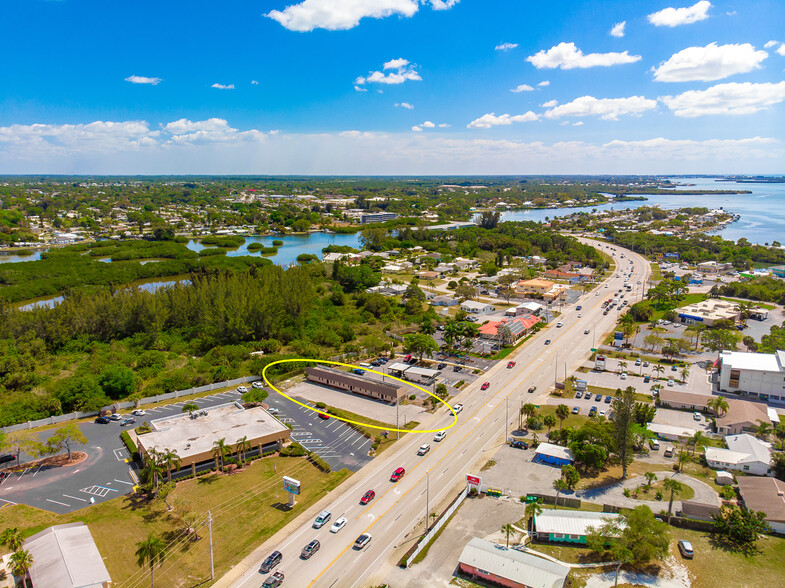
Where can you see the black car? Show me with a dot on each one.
(6, 457)
(103, 420)
(310, 549)
(272, 560)
(519, 444)
(441, 366)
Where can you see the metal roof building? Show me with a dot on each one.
(66, 556)
(553, 454)
(509, 567)
(571, 526)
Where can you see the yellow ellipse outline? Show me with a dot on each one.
(391, 430)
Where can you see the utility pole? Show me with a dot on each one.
(397, 428)
(506, 415)
(210, 532)
(556, 370)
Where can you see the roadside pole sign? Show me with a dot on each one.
(473, 480)
(291, 486)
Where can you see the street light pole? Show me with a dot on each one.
(427, 498)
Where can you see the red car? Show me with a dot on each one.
(397, 475)
(324, 416)
(485, 385)
(367, 497)
(510, 364)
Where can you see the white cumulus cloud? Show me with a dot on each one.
(212, 130)
(428, 125)
(770, 44)
(143, 80)
(709, 63)
(731, 98)
(618, 29)
(340, 15)
(405, 105)
(223, 86)
(568, 56)
(605, 108)
(522, 88)
(486, 121)
(673, 17)
(506, 46)
(254, 83)
(544, 83)
(781, 49)
(402, 71)
(550, 103)
(444, 126)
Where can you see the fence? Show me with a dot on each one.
(53, 420)
(440, 522)
(563, 500)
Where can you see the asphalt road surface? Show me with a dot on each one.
(398, 506)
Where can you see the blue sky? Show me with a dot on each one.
(393, 86)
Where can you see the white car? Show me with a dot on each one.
(580, 315)
(273, 410)
(424, 448)
(624, 375)
(458, 408)
(338, 525)
(440, 436)
(139, 412)
(362, 541)
(258, 385)
(559, 325)
(242, 389)
(670, 382)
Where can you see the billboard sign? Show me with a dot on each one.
(473, 480)
(291, 485)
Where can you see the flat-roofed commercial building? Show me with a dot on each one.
(757, 374)
(709, 312)
(357, 384)
(193, 436)
(377, 217)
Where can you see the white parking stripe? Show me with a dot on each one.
(124, 482)
(74, 497)
(60, 503)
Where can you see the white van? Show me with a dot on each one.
(668, 451)
(654, 444)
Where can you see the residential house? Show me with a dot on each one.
(683, 400)
(517, 328)
(765, 495)
(568, 526)
(742, 417)
(745, 453)
(444, 301)
(553, 454)
(509, 567)
(474, 307)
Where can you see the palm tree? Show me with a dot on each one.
(682, 458)
(243, 446)
(528, 410)
(659, 369)
(152, 470)
(719, 404)
(150, 551)
(560, 486)
(698, 440)
(673, 486)
(169, 460)
(12, 538)
(219, 451)
(650, 477)
(21, 561)
(763, 430)
(452, 331)
(562, 412)
(549, 421)
(685, 371)
(190, 407)
(508, 530)
(622, 366)
(533, 509)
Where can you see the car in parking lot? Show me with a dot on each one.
(547, 341)
(458, 408)
(338, 525)
(440, 436)
(457, 368)
(321, 519)
(485, 385)
(598, 397)
(593, 411)
(602, 413)
(362, 541)
(587, 395)
(645, 364)
(310, 549)
(638, 361)
(424, 448)
(274, 580)
(258, 385)
(273, 410)
(441, 366)
(685, 548)
(510, 364)
(576, 410)
(367, 497)
(323, 415)
(579, 394)
(242, 389)
(397, 475)
(138, 412)
(646, 379)
(674, 368)
(607, 400)
(670, 382)
(519, 444)
(103, 420)
(129, 421)
(697, 416)
(271, 561)
(115, 416)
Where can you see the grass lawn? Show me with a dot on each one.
(656, 272)
(646, 493)
(755, 302)
(574, 420)
(247, 508)
(716, 565)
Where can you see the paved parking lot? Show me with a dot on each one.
(105, 474)
(697, 382)
(515, 474)
(332, 440)
(681, 418)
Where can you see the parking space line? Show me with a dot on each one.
(7, 503)
(60, 503)
(74, 497)
(123, 482)
(37, 470)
